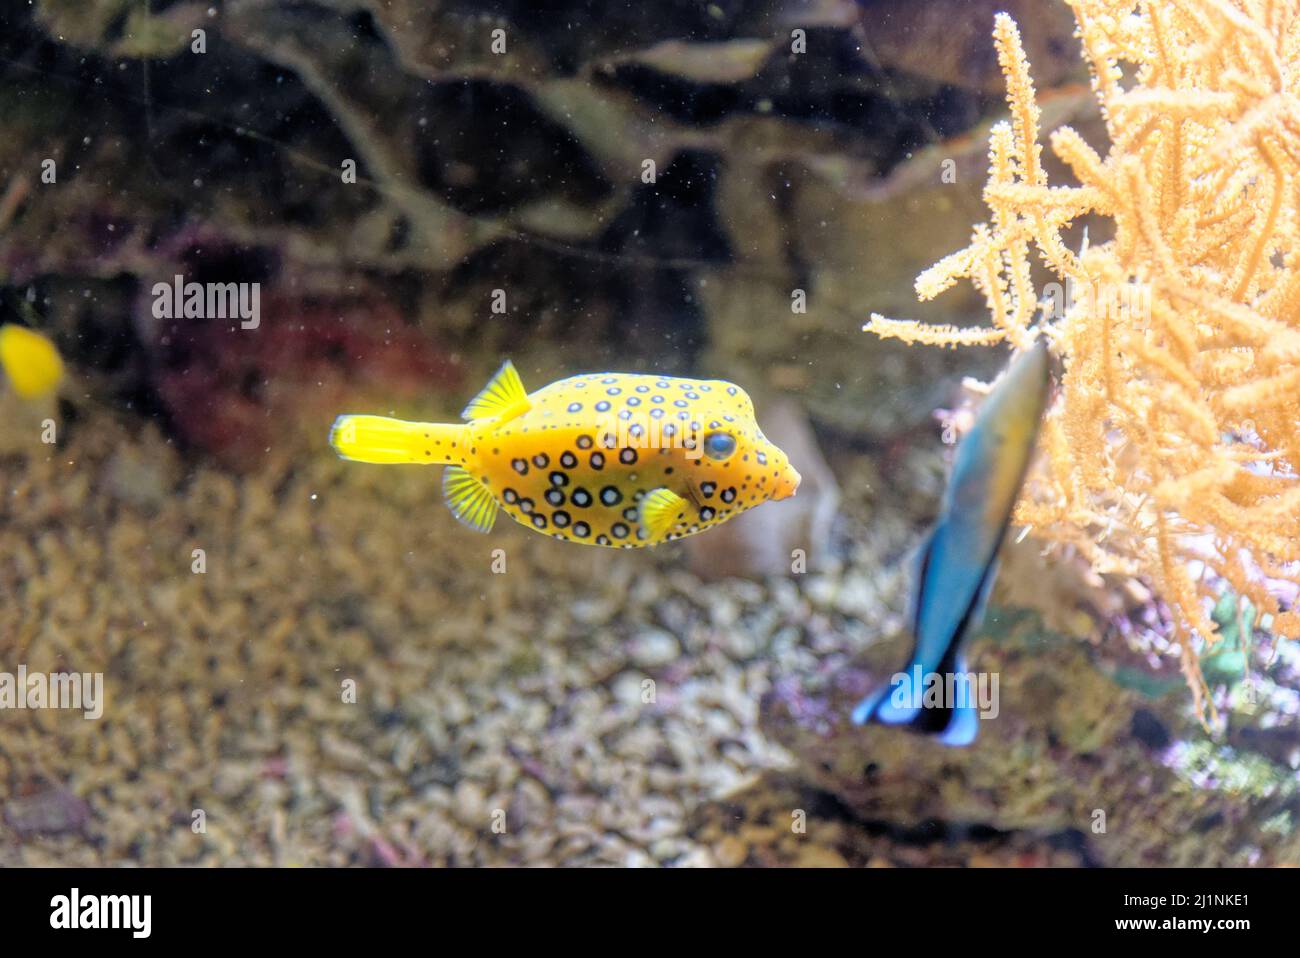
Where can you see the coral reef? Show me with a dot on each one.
(1172, 451)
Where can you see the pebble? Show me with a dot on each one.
(819, 856)
(627, 689)
(731, 852)
(653, 648)
(471, 803)
(821, 590)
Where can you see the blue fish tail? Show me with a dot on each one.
(865, 710)
(900, 703)
(963, 719)
(891, 705)
(955, 724)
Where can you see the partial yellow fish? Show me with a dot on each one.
(30, 361)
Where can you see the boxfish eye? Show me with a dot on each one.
(719, 445)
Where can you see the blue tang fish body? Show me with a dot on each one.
(958, 561)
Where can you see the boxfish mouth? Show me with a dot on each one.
(788, 484)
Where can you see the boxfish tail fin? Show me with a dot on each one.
(380, 439)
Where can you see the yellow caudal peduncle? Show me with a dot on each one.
(382, 440)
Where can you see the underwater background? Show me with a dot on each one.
(308, 661)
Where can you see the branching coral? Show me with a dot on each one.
(1173, 447)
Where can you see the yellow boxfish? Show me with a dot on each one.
(609, 459)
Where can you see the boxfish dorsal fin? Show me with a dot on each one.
(660, 510)
(503, 397)
(468, 499)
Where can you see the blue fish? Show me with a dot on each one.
(958, 560)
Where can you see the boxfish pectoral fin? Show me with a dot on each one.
(660, 510)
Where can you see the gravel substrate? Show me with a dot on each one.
(582, 707)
